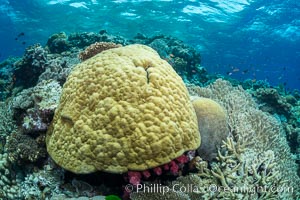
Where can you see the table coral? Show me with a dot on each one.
(123, 109)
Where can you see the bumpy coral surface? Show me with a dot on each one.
(96, 48)
(255, 155)
(212, 121)
(123, 109)
(34, 107)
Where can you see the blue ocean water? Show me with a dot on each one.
(256, 39)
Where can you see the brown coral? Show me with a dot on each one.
(124, 109)
(96, 48)
(22, 147)
(212, 122)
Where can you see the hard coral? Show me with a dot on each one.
(9, 188)
(124, 109)
(58, 43)
(257, 153)
(23, 148)
(28, 69)
(272, 102)
(96, 48)
(212, 122)
(7, 124)
(184, 59)
(34, 107)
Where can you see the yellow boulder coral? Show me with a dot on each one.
(212, 122)
(123, 109)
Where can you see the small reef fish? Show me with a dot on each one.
(21, 34)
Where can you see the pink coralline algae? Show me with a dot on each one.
(146, 174)
(174, 168)
(157, 171)
(134, 177)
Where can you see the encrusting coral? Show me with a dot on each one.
(123, 109)
(34, 107)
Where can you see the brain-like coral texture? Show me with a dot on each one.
(123, 109)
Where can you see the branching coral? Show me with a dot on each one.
(7, 124)
(257, 155)
(21, 147)
(238, 174)
(42, 183)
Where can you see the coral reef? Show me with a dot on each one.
(96, 48)
(34, 107)
(33, 110)
(212, 122)
(32, 64)
(174, 168)
(284, 106)
(250, 84)
(238, 174)
(159, 195)
(23, 148)
(83, 40)
(58, 43)
(43, 183)
(272, 102)
(7, 78)
(184, 59)
(7, 124)
(252, 161)
(58, 68)
(260, 136)
(9, 188)
(123, 109)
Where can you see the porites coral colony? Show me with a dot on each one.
(123, 109)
